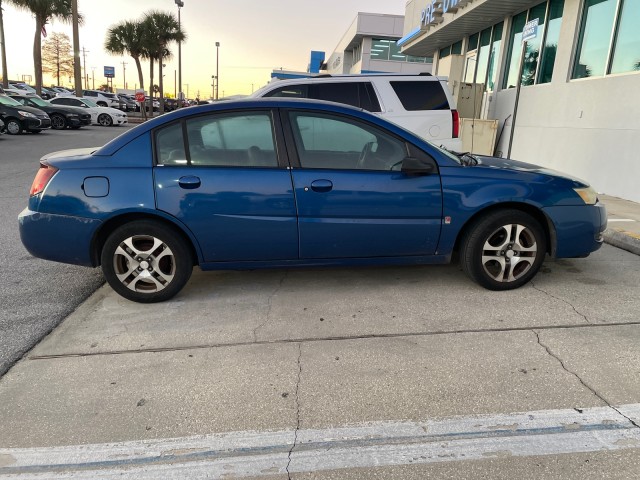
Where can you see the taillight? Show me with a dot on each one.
(455, 116)
(43, 176)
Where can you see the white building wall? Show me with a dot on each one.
(589, 128)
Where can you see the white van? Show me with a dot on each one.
(420, 103)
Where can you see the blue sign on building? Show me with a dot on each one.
(109, 72)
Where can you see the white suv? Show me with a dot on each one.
(421, 103)
(102, 99)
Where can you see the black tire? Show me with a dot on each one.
(58, 122)
(101, 104)
(146, 261)
(105, 120)
(13, 126)
(503, 250)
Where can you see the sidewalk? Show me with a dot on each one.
(623, 230)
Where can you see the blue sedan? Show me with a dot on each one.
(282, 183)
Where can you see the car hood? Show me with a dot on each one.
(24, 108)
(515, 165)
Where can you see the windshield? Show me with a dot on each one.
(4, 100)
(89, 103)
(38, 101)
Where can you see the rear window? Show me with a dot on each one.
(421, 95)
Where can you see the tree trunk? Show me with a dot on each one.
(143, 109)
(151, 86)
(37, 54)
(77, 74)
(160, 84)
(3, 53)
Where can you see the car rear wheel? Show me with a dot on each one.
(14, 127)
(503, 250)
(105, 120)
(146, 262)
(58, 122)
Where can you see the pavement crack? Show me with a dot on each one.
(562, 300)
(270, 305)
(585, 384)
(297, 402)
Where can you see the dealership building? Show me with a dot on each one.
(578, 109)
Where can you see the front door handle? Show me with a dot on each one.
(189, 182)
(321, 186)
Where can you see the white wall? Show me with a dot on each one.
(589, 128)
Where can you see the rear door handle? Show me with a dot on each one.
(189, 182)
(321, 186)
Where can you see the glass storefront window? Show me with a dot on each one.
(494, 57)
(483, 56)
(456, 48)
(515, 50)
(626, 56)
(595, 38)
(545, 71)
(532, 52)
(540, 54)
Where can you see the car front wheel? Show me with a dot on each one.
(14, 127)
(146, 262)
(58, 122)
(105, 120)
(503, 250)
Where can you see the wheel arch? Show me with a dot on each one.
(112, 223)
(544, 221)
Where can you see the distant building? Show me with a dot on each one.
(369, 46)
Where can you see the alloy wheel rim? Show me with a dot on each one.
(144, 264)
(509, 252)
(57, 122)
(104, 120)
(13, 127)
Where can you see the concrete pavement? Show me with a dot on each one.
(340, 373)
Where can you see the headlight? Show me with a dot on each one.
(27, 114)
(587, 194)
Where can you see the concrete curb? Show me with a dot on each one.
(622, 239)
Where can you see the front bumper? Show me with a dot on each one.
(578, 229)
(60, 238)
(120, 120)
(36, 123)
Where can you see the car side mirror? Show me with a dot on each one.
(418, 166)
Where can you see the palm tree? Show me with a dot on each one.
(43, 11)
(128, 37)
(3, 52)
(161, 30)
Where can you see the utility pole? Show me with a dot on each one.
(124, 75)
(217, 69)
(76, 49)
(84, 63)
(93, 77)
(180, 4)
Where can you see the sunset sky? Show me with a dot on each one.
(255, 36)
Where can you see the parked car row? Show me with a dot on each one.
(30, 113)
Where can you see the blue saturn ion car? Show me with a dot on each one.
(283, 182)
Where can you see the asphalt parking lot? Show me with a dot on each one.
(340, 373)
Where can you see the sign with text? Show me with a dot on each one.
(530, 30)
(109, 72)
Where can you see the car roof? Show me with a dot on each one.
(248, 104)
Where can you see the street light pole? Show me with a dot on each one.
(217, 68)
(180, 4)
(213, 86)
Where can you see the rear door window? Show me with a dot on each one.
(421, 95)
(356, 94)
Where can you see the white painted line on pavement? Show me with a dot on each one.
(244, 454)
(620, 220)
